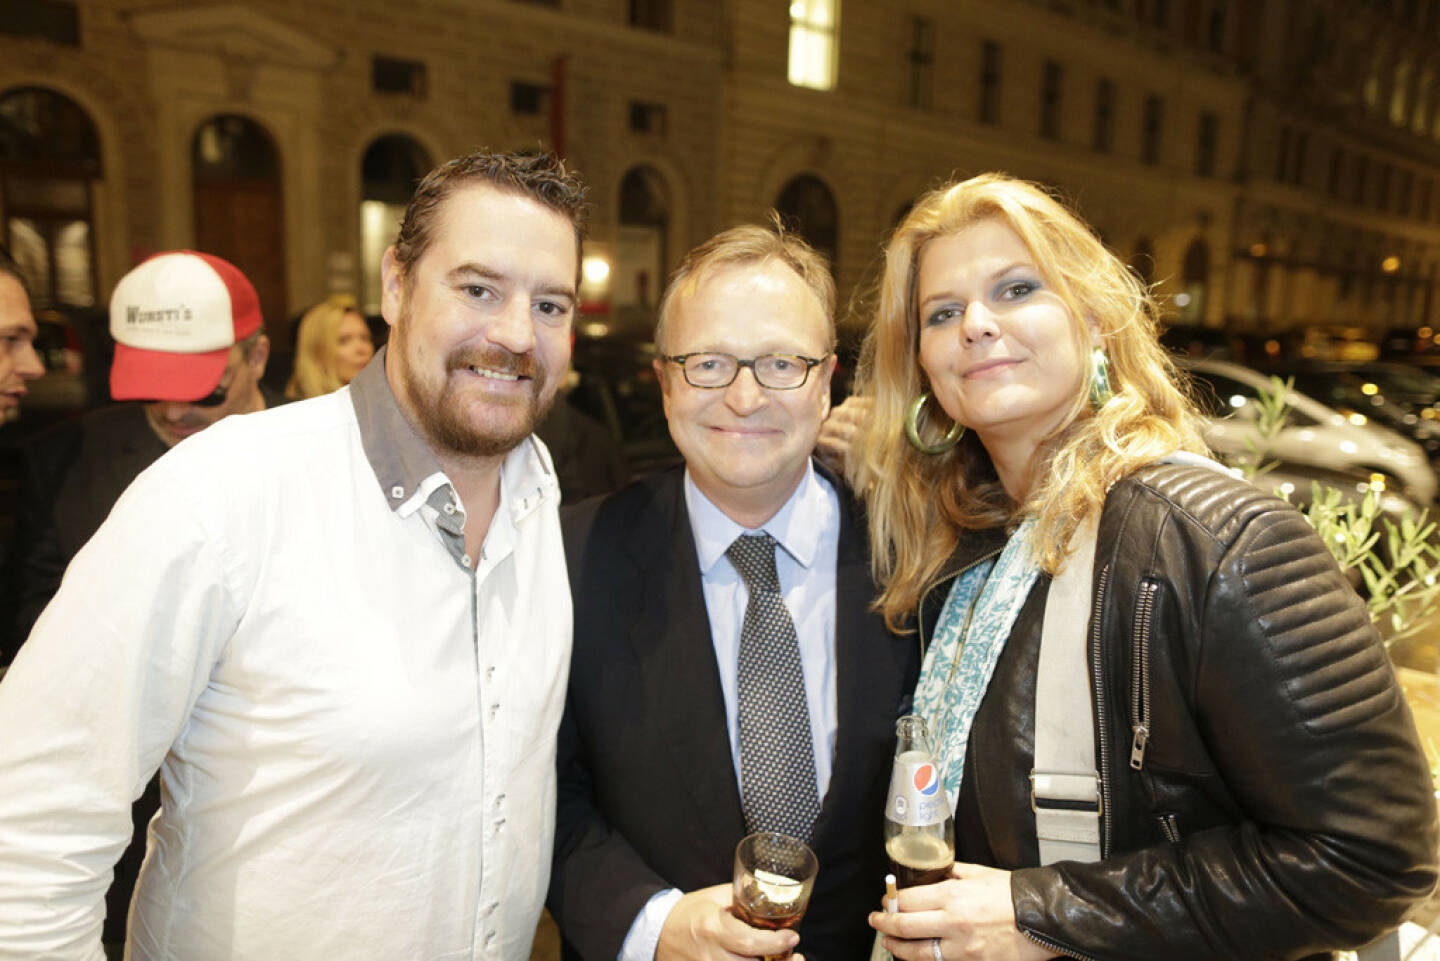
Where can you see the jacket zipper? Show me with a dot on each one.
(1097, 675)
(947, 578)
(1140, 674)
(1057, 947)
(1170, 827)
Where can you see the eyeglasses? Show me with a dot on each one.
(215, 398)
(774, 371)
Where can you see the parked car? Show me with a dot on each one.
(1371, 391)
(618, 387)
(1313, 433)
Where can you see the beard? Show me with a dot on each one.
(449, 421)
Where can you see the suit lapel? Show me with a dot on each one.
(868, 674)
(671, 640)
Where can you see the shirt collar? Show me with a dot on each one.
(407, 469)
(796, 526)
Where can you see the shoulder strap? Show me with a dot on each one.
(1065, 785)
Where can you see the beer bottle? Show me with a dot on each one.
(919, 830)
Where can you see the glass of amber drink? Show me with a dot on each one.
(774, 874)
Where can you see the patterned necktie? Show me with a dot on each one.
(777, 755)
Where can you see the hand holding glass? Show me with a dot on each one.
(774, 874)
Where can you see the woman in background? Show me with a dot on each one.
(331, 347)
(1258, 788)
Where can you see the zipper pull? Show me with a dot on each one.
(1137, 746)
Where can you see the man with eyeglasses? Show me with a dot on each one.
(189, 348)
(727, 676)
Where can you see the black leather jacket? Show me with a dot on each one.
(1264, 792)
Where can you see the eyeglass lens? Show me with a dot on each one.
(776, 371)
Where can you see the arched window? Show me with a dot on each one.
(809, 206)
(49, 163)
(389, 171)
(239, 210)
(642, 240)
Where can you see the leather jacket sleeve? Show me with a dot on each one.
(1300, 812)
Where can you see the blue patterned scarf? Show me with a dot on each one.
(974, 625)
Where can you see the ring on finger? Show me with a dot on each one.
(935, 949)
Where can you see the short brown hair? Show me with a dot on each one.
(538, 175)
(751, 244)
(9, 268)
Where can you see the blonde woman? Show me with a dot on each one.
(1259, 790)
(332, 346)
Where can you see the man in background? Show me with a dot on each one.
(182, 380)
(18, 361)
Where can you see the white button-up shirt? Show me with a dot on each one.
(355, 723)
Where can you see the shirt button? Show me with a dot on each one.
(465, 560)
(397, 492)
(499, 800)
(494, 709)
(449, 508)
(490, 673)
(499, 825)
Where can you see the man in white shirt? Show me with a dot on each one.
(675, 741)
(339, 628)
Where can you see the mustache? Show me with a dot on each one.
(492, 358)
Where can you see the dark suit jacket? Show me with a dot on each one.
(648, 794)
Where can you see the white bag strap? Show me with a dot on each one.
(1065, 784)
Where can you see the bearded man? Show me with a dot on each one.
(341, 631)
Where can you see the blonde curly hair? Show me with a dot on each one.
(919, 504)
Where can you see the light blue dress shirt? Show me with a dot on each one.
(807, 528)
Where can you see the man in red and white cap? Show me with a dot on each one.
(189, 346)
(188, 340)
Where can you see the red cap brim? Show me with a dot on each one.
(156, 375)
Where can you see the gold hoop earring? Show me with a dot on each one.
(912, 430)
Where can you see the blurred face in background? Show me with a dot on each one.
(18, 361)
(353, 348)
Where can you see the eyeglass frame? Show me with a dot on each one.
(215, 398)
(681, 359)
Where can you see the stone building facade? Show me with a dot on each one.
(1270, 164)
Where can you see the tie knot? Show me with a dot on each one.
(754, 557)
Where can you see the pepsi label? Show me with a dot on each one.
(917, 798)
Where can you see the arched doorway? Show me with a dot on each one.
(807, 204)
(49, 163)
(642, 241)
(239, 209)
(389, 171)
(1195, 274)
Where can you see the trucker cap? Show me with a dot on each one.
(174, 319)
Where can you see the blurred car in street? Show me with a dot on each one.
(1313, 433)
(1394, 396)
(618, 387)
